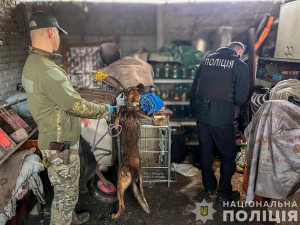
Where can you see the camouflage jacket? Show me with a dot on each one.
(54, 104)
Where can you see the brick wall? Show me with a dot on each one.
(13, 47)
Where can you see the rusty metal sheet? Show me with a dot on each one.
(9, 153)
(14, 120)
(6, 143)
(98, 96)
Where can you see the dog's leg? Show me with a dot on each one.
(124, 180)
(147, 209)
(139, 195)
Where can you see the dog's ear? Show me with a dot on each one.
(141, 90)
(134, 89)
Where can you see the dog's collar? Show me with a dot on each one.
(132, 104)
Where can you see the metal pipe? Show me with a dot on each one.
(252, 58)
(169, 156)
(12, 103)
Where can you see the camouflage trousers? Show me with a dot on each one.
(65, 180)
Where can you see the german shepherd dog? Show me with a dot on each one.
(130, 171)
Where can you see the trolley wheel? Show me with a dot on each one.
(99, 195)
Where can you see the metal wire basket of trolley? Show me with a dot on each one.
(155, 153)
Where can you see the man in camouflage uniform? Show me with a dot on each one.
(56, 107)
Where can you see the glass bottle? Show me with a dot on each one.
(190, 115)
(182, 111)
(185, 93)
(157, 71)
(183, 73)
(175, 112)
(176, 95)
(164, 95)
(172, 94)
(152, 90)
(167, 70)
(193, 72)
(180, 90)
(157, 91)
(183, 96)
(175, 72)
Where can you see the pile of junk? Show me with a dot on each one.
(272, 170)
(99, 142)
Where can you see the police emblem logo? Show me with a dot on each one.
(204, 210)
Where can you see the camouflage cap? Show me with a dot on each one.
(44, 20)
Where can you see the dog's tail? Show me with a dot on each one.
(140, 197)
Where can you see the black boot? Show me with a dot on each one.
(233, 197)
(209, 192)
(80, 218)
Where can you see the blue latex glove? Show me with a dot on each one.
(111, 109)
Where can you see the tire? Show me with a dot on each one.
(88, 164)
(99, 195)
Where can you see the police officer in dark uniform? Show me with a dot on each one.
(221, 82)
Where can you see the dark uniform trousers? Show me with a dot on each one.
(224, 139)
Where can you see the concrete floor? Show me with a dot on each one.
(169, 206)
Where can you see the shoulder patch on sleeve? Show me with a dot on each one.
(55, 74)
(27, 84)
(68, 88)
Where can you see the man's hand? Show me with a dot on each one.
(86, 122)
(239, 142)
(111, 109)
